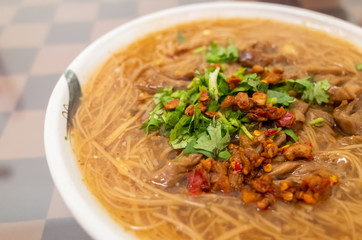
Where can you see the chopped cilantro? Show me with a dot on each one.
(190, 149)
(153, 124)
(281, 98)
(311, 91)
(230, 124)
(213, 105)
(320, 91)
(201, 134)
(213, 81)
(211, 143)
(250, 82)
(180, 128)
(301, 84)
(218, 54)
(65, 138)
(253, 80)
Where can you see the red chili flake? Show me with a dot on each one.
(309, 143)
(271, 132)
(238, 166)
(287, 120)
(196, 182)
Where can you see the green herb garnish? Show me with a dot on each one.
(281, 98)
(199, 133)
(211, 143)
(291, 134)
(359, 66)
(218, 54)
(311, 90)
(317, 122)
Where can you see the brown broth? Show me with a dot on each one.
(116, 159)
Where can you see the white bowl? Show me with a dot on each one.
(62, 163)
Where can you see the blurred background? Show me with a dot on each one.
(38, 39)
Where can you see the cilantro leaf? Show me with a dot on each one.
(213, 141)
(301, 84)
(191, 149)
(154, 121)
(231, 124)
(176, 131)
(281, 98)
(222, 85)
(320, 91)
(250, 82)
(161, 93)
(308, 95)
(254, 82)
(218, 54)
(199, 121)
(310, 90)
(181, 141)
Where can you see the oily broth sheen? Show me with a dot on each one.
(116, 159)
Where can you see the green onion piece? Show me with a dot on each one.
(289, 143)
(223, 118)
(247, 132)
(200, 49)
(359, 66)
(65, 138)
(317, 122)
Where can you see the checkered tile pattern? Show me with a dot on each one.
(38, 39)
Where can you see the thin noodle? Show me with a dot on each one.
(117, 159)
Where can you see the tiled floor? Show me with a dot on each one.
(38, 39)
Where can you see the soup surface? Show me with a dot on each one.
(258, 138)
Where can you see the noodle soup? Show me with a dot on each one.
(120, 164)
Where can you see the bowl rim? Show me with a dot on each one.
(63, 175)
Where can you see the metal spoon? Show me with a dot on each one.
(75, 94)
